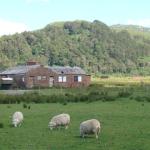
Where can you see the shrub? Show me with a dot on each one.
(139, 99)
(109, 98)
(64, 103)
(70, 97)
(124, 93)
(147, 98)
(92, 93)
(142, 98)
(94, 96)
(1, 125)
(104, 76)
(24, 105)
(8, 106)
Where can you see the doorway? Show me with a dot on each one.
(51, 81)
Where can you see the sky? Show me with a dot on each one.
(29, 15)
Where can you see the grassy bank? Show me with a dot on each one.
(109, 89)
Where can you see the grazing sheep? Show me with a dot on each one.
(59, 120)
(17, 118)
(90, 127)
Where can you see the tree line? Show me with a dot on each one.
(91, 45)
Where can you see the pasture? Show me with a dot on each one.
(122, 105)
(125, 126)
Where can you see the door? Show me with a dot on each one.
(31, 81)
(51, 81)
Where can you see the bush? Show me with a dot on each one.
(94, 96)
(92, 93)
(8, 106)
(24, 105)
(139, 99)
(104, 76)
(1, 125)
(147, 98)
(124, 93)
(109, 98)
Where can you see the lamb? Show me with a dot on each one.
(90, 127)
(59, 120)
(17, 118)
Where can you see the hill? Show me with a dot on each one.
(134, 30)
(141, 35)
(91, 45)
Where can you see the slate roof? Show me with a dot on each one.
(19, 70)
(58, 70)
(67, 70)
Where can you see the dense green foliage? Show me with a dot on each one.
(134, 30)
(110, 89)
(142, 36)
(125, 126)
(91, 45)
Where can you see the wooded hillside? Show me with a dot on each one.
(91, 45)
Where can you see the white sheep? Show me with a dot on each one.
(90, 127)
(59, 120)
(17, 118)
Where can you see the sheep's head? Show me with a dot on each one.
(52, 125)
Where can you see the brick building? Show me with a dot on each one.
(68, 76)
(27, 76)
(35, 75)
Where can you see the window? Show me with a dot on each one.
(62, 79)
(22, 79)
(43, 77)
(39, 77)
(77, 78)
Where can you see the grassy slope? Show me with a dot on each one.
(125, 126)
(133, 30)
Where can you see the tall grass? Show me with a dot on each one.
(105, 89)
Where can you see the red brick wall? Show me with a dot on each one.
(31, 78)
(71, 83)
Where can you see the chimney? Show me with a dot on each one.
(32, 63)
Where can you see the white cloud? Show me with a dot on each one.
(11, 27)
(141, 22)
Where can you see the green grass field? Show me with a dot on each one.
(125, 126)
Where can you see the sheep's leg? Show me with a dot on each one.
(97, 132)
(66, 127)
(59, 127)
(82, 135)
(19, 124)
(96, 136)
